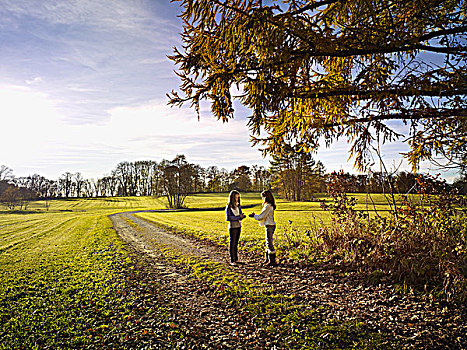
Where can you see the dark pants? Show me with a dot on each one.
(234, 234)
(269, 233)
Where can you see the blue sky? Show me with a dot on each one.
(83, 86)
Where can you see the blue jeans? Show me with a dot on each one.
(269, 231)
(234, 234)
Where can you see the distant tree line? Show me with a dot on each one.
(401, 182)
(173, 178)
(295, 175)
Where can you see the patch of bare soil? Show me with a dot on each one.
(208, 322)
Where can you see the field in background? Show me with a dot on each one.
(18, 227)
(101, 205)
(211, 223)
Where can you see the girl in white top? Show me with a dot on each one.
(266, 219)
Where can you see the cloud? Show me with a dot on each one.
(92, 55)
(36, 80)
(83, 84)
(87, 90)
(120, 14)
(155, 128)
(40, 137)
(29, 119)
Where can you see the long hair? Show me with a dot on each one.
(269, 198)
(232, 195)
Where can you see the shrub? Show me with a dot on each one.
(422, 245)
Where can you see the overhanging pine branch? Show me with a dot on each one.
(407, 115)
(408, 92)
(312, 6)
(443, 32)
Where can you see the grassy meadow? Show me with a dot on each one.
(211, 224)
(64, 275)
(64, 272)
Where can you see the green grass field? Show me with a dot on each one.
(18, 227)
(63, 275)
(211, 224)
(64, 271)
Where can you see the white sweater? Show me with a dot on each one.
(266, 217)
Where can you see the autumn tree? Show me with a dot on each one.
(261, 178)
(318, 183)
(213, 179)
(199, 178)
(127, 177)
(177, 178)
(240, 179)
(461, 185)
(79, 184)
(309, 70)
(37, 184)
(109, 186)
(145, 171)
(11, 196)
(3, 186)
(157, 188)
(405, 182)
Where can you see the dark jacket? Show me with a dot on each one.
(230, 215)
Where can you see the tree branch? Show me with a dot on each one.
(235, 9)
(378, 50)
(313, 6)
(408, 115)
(456, 30)
(368, 93)
(446, 50)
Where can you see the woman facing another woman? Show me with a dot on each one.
(234, 214)
(266, 219)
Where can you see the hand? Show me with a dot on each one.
(252, 215)
(243, 216)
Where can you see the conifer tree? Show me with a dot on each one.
(332, 69)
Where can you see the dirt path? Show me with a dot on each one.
(343, 297)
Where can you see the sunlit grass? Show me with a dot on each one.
(212, 223)
(63, 269)
(63, 275)
(95, 204)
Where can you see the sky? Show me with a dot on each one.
(83, 86)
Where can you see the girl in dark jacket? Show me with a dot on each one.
(233, 212)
